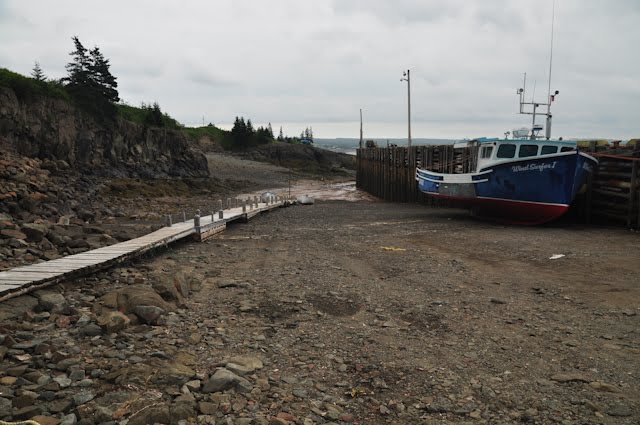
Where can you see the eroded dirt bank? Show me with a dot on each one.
(341, 312)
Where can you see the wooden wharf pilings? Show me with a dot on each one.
(25, 279)
(612, 194)
(389, 173)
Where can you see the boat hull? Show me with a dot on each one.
(525, 191)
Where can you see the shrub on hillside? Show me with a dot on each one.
(27, 88)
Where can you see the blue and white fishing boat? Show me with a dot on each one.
(528, 179)
(515, 180)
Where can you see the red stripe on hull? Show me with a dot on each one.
(510, 211)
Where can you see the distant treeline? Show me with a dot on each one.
(90, 85)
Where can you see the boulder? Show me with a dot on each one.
(86, 215)
(35, 232)
(129, 297)
(167, 290)
(78, 243)
(51, 301)
(170, 373)
(183, 411)
(153, 414)
(243, 365)
(90, 330)
(113, 321)
(12, 234)
(148, 314)
(224, 379)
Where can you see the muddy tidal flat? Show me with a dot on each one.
(340, 312)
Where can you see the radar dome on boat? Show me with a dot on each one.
(521, 133)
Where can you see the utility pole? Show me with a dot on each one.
(407, 77)
(360, 128)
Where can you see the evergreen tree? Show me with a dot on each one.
(153, 115)
(239, 133)
(280, 135)
(270, 130)
(90, 82)
(37, 72)
(102, 77)
(78, 68)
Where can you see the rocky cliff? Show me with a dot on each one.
(303, 158)
(50, 128)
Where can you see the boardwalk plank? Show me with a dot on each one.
(26, 278)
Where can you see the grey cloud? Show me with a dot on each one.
(319, 62)
(207, 78)
(400, 11)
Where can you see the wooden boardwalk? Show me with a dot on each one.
(25, 279)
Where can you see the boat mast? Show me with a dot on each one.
(550, 97)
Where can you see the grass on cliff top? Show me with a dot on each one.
(145, 116)
(221, 136)
(30, 88)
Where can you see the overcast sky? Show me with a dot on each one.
(298, 63)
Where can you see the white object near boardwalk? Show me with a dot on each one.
(305, 200)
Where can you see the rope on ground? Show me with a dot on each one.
(20, 423)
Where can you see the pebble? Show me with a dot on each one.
(619, 410)
(83, 397)
(224, 379)
(62, 380)
(570, 377)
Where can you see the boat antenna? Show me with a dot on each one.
(553, 14)
(534, 91)
(549, 97)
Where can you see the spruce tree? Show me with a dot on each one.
(90, 82)
(78, 68)
(37, 72)
(102, 77)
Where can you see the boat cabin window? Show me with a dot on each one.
(528, 150)
(506, 151)
(486, 152)
(548, 150)
(567, 149)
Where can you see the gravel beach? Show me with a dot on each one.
(340, 313)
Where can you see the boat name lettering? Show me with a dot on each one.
(534, 167)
